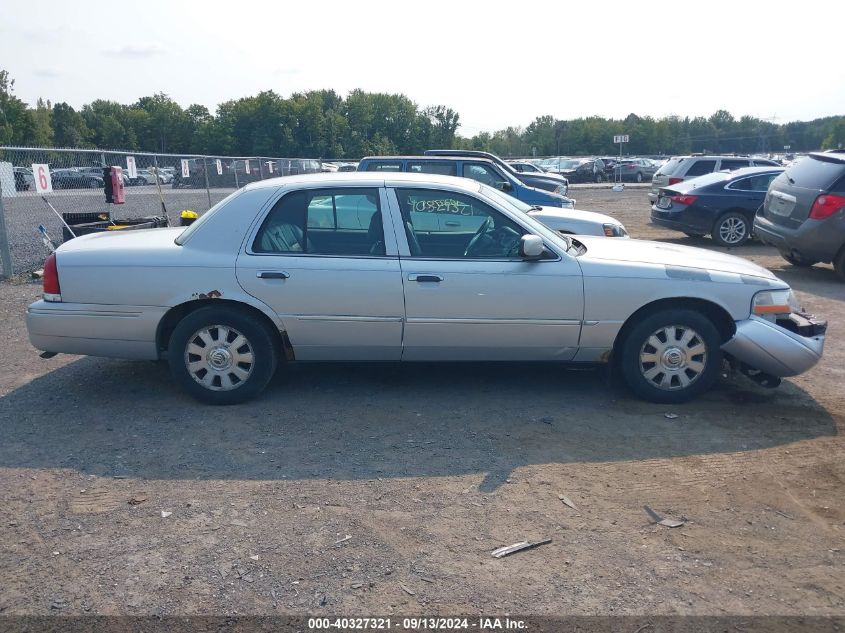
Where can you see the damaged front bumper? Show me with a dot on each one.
(787, 347)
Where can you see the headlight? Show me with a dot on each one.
(561, 190)
(770, 304)
(614, 230)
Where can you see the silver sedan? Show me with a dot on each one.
(405, 267)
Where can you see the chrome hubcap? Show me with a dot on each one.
(219, 357)
(673, 357)
(732, 230)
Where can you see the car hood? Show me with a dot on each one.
(572, 214)
(682, 257)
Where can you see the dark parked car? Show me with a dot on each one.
(74, 179)
(547, 182)
(722, 204)
(24, 180)
(633, 169)
(803, 215)
(578, 169)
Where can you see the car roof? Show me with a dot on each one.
(362, 178)
(428, 158)
(750, 171)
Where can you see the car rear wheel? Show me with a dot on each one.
(639, 177)
(222, 355)
(599, 177)
(671, 356)
(731, 229)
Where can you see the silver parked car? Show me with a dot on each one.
(374, 267)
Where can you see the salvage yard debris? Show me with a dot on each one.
(518, 547)
(568, 502)
(656, 518)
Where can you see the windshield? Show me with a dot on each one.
(669, 166)
(537, 228)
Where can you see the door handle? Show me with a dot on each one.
(424, 278)
(272, 274)
(452, 223)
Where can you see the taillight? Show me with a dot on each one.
(683, 199)
(675, 181)
(826, 205)
(52, 291)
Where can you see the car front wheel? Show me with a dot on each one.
(671, 356)
(221, 355)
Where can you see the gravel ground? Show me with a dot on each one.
(364, 489)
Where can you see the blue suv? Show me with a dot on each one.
(481, 169)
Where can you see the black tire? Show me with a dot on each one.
(639, 177)
(251, 377)
(700, 370)
(839, 264)
(599, 177)
(798, 261)
(731, 229)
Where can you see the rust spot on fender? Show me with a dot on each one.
(213, 294)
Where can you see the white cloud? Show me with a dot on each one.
(139, 49)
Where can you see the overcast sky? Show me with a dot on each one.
(496, 63)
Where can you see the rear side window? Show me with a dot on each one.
(732, 164)
(812, 173)
(754, 183)
(432, 167)
(324, 222)
(701, 167)
(669, 167)
(384, 167)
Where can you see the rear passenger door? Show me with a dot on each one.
(323, 262)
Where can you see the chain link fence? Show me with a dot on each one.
(153, 183)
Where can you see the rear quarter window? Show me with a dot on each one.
(669, 167)
(384, 166)
(812, 173)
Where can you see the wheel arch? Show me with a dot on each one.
(175, 314)
(720, 317)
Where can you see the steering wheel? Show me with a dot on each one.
(479, 234)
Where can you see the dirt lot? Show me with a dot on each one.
(382, 489)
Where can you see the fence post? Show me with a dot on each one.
(5, 251)
(207, 188)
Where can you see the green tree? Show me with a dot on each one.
(69, 129)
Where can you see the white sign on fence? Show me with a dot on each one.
(620, 138)
(246, 166)
(43, 180)
(270, 165)
(219, 167)
(186, 168)
(7, 181)
(131, 169)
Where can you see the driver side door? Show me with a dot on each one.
(468, 295)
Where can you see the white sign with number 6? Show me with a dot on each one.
(186, 169)
(219, 167)
(43, 181)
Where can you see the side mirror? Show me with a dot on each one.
(505, 186)
(531, 247)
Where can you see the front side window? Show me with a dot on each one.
(701, 167)
(448, 225)
(482, 173)
(432, 167)
(324, 222)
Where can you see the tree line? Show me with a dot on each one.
(323, 124)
